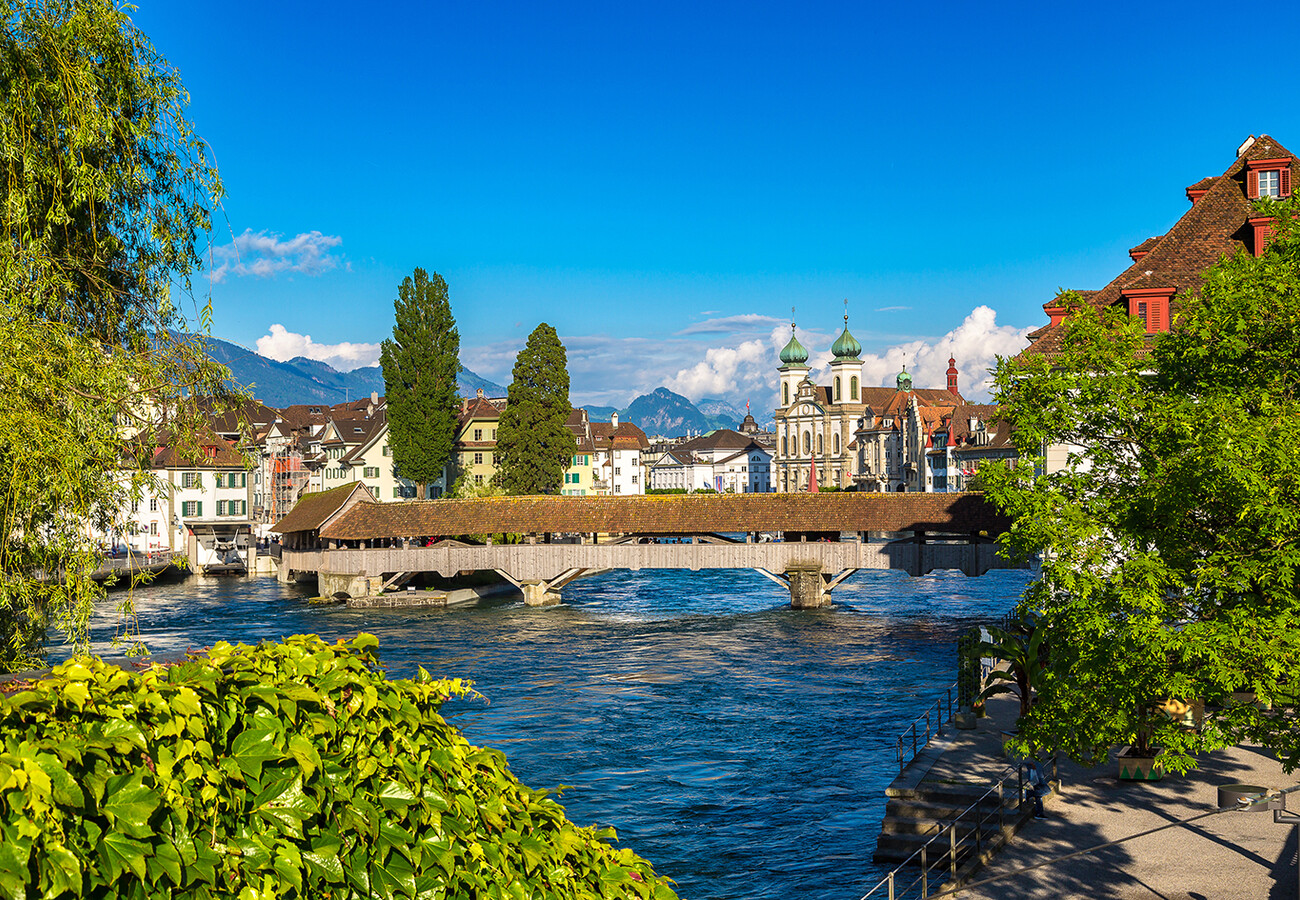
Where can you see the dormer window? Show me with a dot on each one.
(1151, 305)
(1263, 229)
(1268, 178)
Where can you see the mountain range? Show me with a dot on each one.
(665, 413)
(301, 380)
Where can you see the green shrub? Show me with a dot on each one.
(291, 769)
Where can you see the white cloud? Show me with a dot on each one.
(975, 344)
(264, 254)
(282, 344)
(731, 325)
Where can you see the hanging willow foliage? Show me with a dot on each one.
(105, 195)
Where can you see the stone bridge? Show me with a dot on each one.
(808, 543)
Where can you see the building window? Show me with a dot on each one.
(819, 445)
(785, 446)
(618, 470)
(478, 434)
(192, 508)
(836, 440)
(1269, 185)
(634, 479)
(807, 443)
(478, 479)
(1268, 178)
(785, 395)
(191, 480)
(478, 459)
(837, 389)
(371, 472)
(153, 504)
(153, 527)
(853, 388)
(387, 450)
(618, 488)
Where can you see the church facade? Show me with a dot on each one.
(815, 424)
(850, 436)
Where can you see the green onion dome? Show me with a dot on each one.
(904, 381)
(793, 354)
(846, 346)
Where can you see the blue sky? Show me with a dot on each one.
(663, 182)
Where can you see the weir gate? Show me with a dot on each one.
(807, 543)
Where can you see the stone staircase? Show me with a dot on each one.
(916, 814)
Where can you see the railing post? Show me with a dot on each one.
(952, 850)
(925, 871)
(1002, 821)
(891, 885)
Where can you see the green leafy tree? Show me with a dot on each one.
(420, 365)
(533, 446)
(1170, 540)
(105, 191)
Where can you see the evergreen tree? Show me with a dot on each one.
(420, 365)
(533, 446)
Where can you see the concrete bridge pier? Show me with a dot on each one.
(542, 592)
(810, 587)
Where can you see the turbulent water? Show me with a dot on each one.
(742, 746)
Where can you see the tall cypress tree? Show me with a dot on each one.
(533, 446)
(420, 364)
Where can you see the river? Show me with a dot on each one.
(741, 746)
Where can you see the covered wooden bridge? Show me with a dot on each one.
(808, 543)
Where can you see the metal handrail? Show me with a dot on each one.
(961, 842)
(935, 712)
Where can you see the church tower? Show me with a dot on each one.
(846, 366)
(794, 368)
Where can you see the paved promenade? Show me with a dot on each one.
(1229, 856)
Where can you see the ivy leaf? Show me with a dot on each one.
(129, 803)
(301, 749)
(168, 860)
(393, 795)
(253, 748)
(288, 807)
(122, 854)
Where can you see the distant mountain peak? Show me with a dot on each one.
(303, 380)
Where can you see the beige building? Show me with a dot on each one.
(815, 424)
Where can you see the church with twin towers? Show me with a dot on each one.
(851, 436)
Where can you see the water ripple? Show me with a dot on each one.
(741, 746)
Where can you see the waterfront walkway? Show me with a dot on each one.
(1230, 855)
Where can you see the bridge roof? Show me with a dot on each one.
(671, 514)
(315, 509)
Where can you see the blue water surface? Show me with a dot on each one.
(742, 746)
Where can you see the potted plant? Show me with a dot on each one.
(1139, 761)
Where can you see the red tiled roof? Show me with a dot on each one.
(671, 514)
(1211, 229)
(315, 509)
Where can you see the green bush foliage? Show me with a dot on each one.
(291, 769)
